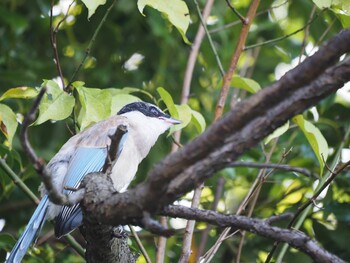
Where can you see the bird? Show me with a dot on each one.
(86, 152)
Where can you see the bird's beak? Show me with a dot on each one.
(171, 120)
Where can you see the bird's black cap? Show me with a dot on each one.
(147, 109)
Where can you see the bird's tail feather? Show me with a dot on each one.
(30, 233)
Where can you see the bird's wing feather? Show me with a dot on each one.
(85, 160)
(31, 231)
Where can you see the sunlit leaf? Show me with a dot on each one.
(55, 105)
(94, 105)
(98, 104)
(19, 93)
(184, 115)
(315, 138)
(168, 101)
(176, 11)
(323, 3)
(249, 85)
(344, 19)
(341, 7)
(92, 5)
(8, 122)
(198, 121)
(277, 133)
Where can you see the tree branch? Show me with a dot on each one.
(235, 57)
(284, 167)
(239, 130)
(261, 227)
(39, 164)
(224, 141)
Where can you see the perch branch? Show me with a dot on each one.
(261, 227)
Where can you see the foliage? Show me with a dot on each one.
(26, 63)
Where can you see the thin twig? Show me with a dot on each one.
(262, 178)
(235, 11)
(273, 219)
(234, 60)
(320, 39)
(187, 239)
(306, 33)
(272, 41)
(204, 237)
(39, 164)
(221, 68)
(53, 40)
(278, 166)
(194, 53)
(161, 244)
(92, 41)
(329, 180)
(139, 244)
(15, 178)
(238, 22)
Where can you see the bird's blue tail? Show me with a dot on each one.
(32, 230)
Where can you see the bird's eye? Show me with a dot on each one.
(154, 111)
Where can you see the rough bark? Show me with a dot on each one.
(296, 239)
(240, 129)
(102, 245)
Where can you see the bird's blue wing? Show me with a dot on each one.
(30, 233)
(86, 160)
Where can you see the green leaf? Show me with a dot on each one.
(315, 138)
(278, 132)
(322, 3)
(344, 19)
(136, 90)
(184, 114)
(246, 84)
(94, 105)
(119, 101)
(176, 11)
(341, 7)
(92, 5)
(7, 240)
(198, 120)
(168, 101)
(98, 104)
(8, 123)
(55, 105)
(20, 93)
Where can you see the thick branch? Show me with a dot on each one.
(296, 239)
(101, 244)
(236, 132)
(223, 142)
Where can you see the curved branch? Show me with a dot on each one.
(261, 227)
(239, 130)
(283, 167)
(224, 141)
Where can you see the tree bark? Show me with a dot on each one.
(102, 245)
(223, 142)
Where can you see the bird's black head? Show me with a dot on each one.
(147, 109)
